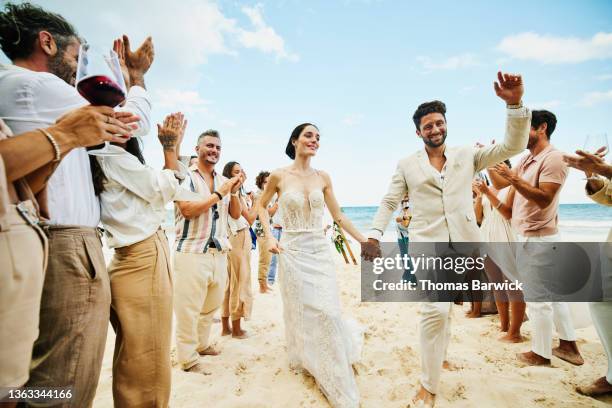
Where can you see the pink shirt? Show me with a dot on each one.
(546, 167)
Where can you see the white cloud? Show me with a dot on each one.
(263, 37)
(549, 49)
(352, 120)
(604, 77)
(545, 105)
(595, 98)
(178, 100)
(466, 60)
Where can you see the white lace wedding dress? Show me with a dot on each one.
(319, 340)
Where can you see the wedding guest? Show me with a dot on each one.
(500, 263)
(75, 304)
(438, 180)
(534, 198)
(23, 244)
(402, 221)
(277, 230)
(133, 197)
(200, 257)
(264, 255)
(599, 189)
(193, 160)
(238, 296)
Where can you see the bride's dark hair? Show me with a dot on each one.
(290, 149)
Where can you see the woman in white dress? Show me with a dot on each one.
(500, 263)
(319, 340)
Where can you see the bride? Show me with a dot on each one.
(318, 339)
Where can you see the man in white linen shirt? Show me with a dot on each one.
(438, 180)
(37, 90)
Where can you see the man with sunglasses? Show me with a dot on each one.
(200, 259)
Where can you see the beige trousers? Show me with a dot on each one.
(199, 283)
(238, 297)
(265, 257)
(74, 313)
(141, 314)
(23, 253)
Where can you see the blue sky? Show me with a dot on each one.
(358, 69)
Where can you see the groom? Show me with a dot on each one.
(438, 181)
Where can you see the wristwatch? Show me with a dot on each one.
(518, 106)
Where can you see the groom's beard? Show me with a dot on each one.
(430, 143)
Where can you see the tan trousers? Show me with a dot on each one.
(23, 253)
(141, 314)
(74, 313)
(199, 283)
(238, 297)
(265, 257)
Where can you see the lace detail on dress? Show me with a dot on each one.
(293, 211)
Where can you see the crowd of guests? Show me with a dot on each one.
(58, 295)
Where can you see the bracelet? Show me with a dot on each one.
(236, 194)
(517, 106)
(56, 148)
(218, 195)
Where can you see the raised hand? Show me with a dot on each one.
(509, 87)
(481, 186)
(138, 62)
(228, 186)
(119, 48)
(503, 170)
(170, 132)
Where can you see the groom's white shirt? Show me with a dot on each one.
(442, 210)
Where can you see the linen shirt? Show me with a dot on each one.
(32, 100)
(193, 235)
(134, 197)
(546, 167)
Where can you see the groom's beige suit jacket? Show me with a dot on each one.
(442, 210)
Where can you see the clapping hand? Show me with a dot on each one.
(138, 62)
(481, 186)
(171, 133)
(503, 170)
(509, 87)
(589, 163)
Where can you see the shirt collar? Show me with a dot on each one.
(538, 157)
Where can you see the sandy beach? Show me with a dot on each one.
(255, 373)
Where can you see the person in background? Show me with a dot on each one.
(193, 160)
(264, 255)
(75, 305)
(534, 198)
(238, 296)
(133, 197)
(200, 258)
(23, 244)
(599, 189)
(402, 222)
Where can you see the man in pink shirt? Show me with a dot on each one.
(538, 179)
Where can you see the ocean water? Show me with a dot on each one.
(577, 222)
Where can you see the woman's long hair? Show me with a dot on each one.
(132, 146)
(227, 169)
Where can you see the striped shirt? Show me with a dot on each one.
(196, 235)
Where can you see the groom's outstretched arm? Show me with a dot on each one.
(510, 89)
(397, 190)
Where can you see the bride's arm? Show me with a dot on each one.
(262, 210)
(334, 209)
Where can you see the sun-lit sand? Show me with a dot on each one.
(255, 373)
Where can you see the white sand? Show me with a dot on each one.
(254, 372)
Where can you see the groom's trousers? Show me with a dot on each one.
(535, 263)
(434, 336)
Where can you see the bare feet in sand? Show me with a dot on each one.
(533, 359)
(423, 398)
(197, 369)
(600, 387)
(210, 351)
(447, 365)
(226, 330)
(264, 288)
(512, 338)
(568, 351)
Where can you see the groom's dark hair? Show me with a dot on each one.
(427, 108)
(539, 117)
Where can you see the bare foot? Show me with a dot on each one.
(197, 369)
(511, 338)
(424, 398)
(209, 351)
(533, 359)
(447, 365)
(240, 335)
(600, 387)
(570, 356)
(472, 315)
(226, 332)
(226, 329)
(263, 287)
